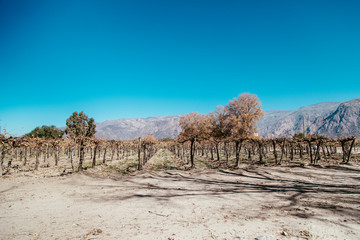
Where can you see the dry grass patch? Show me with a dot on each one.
(164, 160)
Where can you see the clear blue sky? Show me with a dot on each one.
(117, 59)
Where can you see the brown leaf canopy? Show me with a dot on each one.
(244, 113)
(194, 126)
(234, 122)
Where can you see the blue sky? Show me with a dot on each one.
(117, 59)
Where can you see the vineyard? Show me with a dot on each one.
(69, 155)
(146, 187)
(224, 138)
(216, 173)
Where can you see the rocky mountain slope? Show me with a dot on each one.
(332, 119)
(344, 121)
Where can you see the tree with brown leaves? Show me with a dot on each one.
(220, 127)
(195, 127)
(243, 112)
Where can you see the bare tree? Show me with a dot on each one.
(346, 146)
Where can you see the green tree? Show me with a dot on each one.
(299, 136)
(45, 132)
(80, 127)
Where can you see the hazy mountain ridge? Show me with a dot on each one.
(332, 119)
(131, 128)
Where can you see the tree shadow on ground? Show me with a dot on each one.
(303, 191)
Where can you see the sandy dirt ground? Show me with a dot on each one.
(252, 202)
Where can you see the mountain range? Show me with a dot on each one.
(331, 119)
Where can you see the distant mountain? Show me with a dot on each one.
(131, 128)
(344, 121)
(287, 123)
(331, 119)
